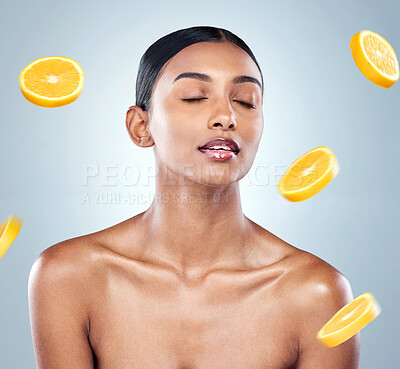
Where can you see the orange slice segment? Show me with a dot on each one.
(8, 231)
(375, 58)
(309, 174)
(52, 81)
(349, 320)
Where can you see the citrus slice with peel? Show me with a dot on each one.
(52, 81)
(375, 58)
(309, 174)
(8, 231)
(349, 320)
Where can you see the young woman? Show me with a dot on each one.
(191, 282)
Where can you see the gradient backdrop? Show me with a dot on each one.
(73, 170)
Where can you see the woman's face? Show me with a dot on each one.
(179, 128)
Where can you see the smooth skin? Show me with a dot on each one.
(189, 284)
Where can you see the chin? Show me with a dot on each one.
(216, 176)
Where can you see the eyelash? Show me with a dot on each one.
(247, 105)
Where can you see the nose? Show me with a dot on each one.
(223, 117)
(225, 125)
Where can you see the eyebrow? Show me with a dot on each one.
(207, 78)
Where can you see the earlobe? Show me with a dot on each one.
(146, 140)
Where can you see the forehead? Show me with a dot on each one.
(217, 59)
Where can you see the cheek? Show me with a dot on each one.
(181, 128)
(254, 132)
(175, 138)
(259, 131)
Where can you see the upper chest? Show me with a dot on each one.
(143, 319)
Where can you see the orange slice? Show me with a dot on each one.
(309, 174)
(52, 81)
(349, 320)
(375, 58)
(8, 231)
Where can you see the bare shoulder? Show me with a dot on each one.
(314, 291)
(68, 267)
(81, 259)
(311, 292)
(317, 283)
(310, 284)
(305, 271)
(76, 262)
(66, 257)
(60, 298)
(60, 268)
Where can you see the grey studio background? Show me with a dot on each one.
(73, 170)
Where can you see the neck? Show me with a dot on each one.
(196, 227)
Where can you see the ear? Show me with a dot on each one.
(136, 123)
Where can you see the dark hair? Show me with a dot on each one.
(169, 45)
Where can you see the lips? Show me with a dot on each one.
(229, 143)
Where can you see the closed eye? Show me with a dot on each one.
(247, 105)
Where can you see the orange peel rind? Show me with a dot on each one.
(9, 229)
(375, 58)
(349, 320)
(52, 81)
